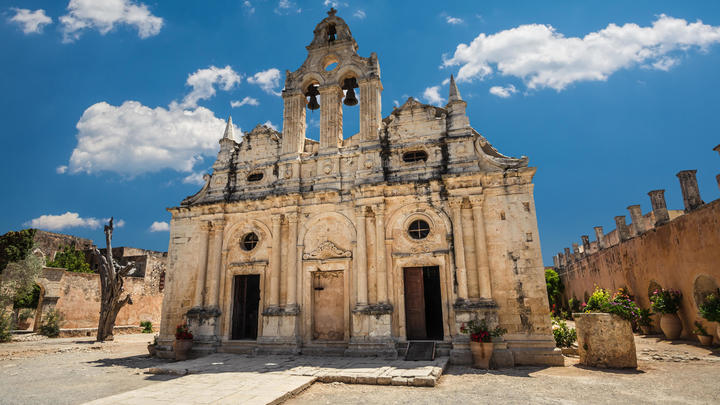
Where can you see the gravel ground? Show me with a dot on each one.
(73, 370)
(678, 373)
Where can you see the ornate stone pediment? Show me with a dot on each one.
(327, 250)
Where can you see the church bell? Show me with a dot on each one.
(350, 85)
(312, 92)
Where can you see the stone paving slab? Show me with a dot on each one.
(215, 388)
(349, 370)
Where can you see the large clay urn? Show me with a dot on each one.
(481, 354)
(671, 326)
(181, 347)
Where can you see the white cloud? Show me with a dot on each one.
(194, 178)
(104, 15)
(432, 95)
(203, 83)
(61, 169)
(268, 80)
(131, 138)
(665, 63)
(360, 14)
(287, 7)
(69, 220)
(32, 22)
(248, 7)
(397, 103)
(245, 101)
(454, 20)
(159, 227)
(270, 125)
(544, 58)
(503, 92)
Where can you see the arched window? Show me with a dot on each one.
(419, 229)
(415, 156)
(331, 31)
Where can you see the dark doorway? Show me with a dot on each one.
(423, 303)
(245, 307)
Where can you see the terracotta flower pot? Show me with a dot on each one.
(671, 326)
(705, 340)
(181, 348)
(481, 354)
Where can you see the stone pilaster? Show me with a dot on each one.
(370, 114)
(461, 271)
(218, 227)
(331, 117)
(361, 259)
(483, 264)
(199, 299)
(382, 291)
(291, 290)
(274, 299)
(293, 131)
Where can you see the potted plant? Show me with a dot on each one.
(183, 342)
(23, 318)
(645, 320)
(152, 347)
(667, 302)
(710, 310)
(481, 344)
(702, 335)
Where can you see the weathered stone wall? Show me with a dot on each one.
(682, 254)
(50, 243)
(76, 296)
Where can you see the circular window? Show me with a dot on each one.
(418, 229)
(249, 241)
(257, 176)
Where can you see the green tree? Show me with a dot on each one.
(29, 299)
(19, 279)
(72, 260)
(15, 246)
(554, 286)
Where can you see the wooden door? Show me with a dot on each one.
(415, 327)
(245, 307)
(328, 300)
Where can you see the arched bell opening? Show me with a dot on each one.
(312, 103)
(350, 106)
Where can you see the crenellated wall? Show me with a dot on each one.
(663, 248)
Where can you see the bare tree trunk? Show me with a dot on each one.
(111, 288)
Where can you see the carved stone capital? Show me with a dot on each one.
(455, 203)
(361, 211)
(476, 201)
(292, 217)
(276, 219)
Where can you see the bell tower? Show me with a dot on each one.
(332, 74)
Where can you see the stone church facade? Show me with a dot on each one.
(356, 245)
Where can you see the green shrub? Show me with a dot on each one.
(710, 308)
(564, 335)
(51, 323)
(554, 288)
(666, 301)
(71, 259)
(28, 299)
(6, 325)
(700, 330)
(619, 304)
(147, 326)
(25, 314)
(644, 317)
(15, 246)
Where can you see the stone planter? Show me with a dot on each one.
(671, 326)
(605, 340)
(705, 340)
(182, 348)
(481, 354)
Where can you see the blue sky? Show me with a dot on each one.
(115, 107)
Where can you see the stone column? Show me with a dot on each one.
(291, 297)
(690, 191)
(586, 244)
(599, 236)
(199, 300)
(657, 200)
(622, 229)
(293, 131)
(637, 218)
(561, 259)
(382, 293)
(361, 245)
(568, 257)
(481, 254)
(461, 271)
(370, 115)
(331, 117)
(214, 293)
(274, 299)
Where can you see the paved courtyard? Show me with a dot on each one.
(76, 371)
